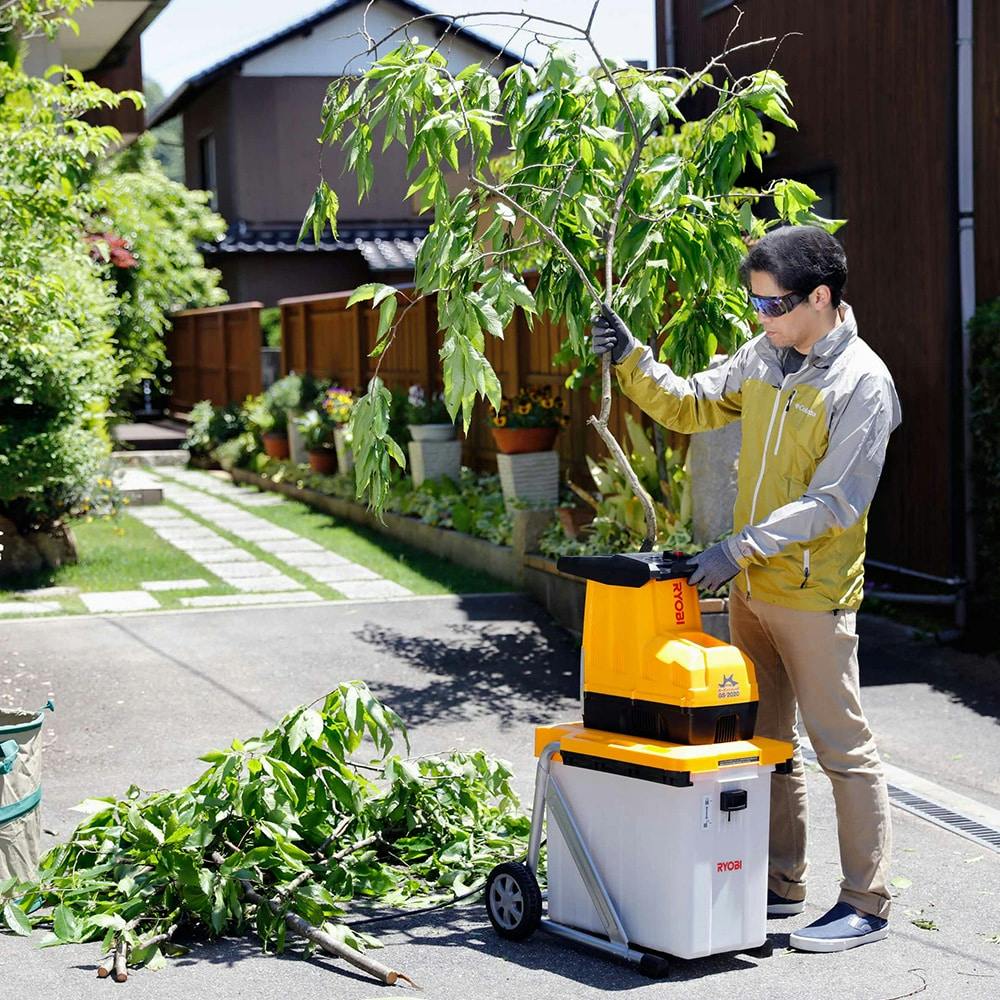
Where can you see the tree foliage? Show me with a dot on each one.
(162, 223)
(300, 813)
(607, 190)
(57, 366)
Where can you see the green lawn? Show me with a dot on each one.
(118, 554)
(122, 553)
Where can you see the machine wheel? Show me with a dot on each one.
(513, 901)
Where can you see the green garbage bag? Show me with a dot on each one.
(20, 792)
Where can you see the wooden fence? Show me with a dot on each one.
(214, 354)
(320, 335)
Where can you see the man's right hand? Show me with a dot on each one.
(609, 333)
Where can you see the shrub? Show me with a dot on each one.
(161, 224)
(984, 328)
(57, 366)
(212, 426)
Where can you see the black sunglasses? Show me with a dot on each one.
(776, 305)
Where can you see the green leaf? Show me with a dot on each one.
(387, 312)
(17, 919)
(362, 293)
(66, 925)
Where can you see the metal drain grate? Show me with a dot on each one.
(985, 836)
(941, 816)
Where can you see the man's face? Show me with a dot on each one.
(800, 327)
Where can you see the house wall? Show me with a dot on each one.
(277, 159)
(268, 277)
(127, 118)
(986, 69)
(211, 112)
(876, 105)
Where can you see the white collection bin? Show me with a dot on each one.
(687, 878)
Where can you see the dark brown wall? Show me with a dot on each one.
(986, 61)
(127, 118)
(211, 112)
(873, 86)
(268, 157)
(268, 277)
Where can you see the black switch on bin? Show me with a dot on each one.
(733, 800)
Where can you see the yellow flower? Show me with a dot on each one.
(547, 403)
(523, 408)
(500, 421)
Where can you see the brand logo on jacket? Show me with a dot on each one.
(804, 409)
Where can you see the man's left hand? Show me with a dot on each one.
(713, 567)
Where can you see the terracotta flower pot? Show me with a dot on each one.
(276, 446)
(518, 440)
(323, 461)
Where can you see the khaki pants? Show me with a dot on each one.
(811, 657)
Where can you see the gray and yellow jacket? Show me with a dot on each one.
(813, 447)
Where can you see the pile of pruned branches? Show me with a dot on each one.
(277, 836)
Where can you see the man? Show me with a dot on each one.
(817, 406)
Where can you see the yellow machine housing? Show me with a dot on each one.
(648, 668)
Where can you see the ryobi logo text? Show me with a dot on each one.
(729, 686)
(679, 616)
(729, 866)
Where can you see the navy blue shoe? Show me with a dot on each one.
(778, 907)
(841, 928)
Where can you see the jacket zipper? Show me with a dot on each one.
(781, 424)
(805, 568)
(763, 465)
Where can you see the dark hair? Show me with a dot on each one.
(799, 258)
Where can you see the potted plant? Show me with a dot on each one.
(317, 430)
(528, 421)
(269, 425)
(427, 417)
(269, 414)
(434, 450)
(525, 429)
(337, 403)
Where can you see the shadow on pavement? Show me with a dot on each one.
(518, 672)
(890, 653)
(467, 928)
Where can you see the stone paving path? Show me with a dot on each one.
(222, 505)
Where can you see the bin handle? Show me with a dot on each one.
(50, 705)
(8, 754)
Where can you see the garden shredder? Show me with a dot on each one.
(657, 804)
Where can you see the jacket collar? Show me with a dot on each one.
(824, 350)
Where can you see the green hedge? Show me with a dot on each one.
(984, 328)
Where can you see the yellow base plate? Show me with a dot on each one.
(574, 737)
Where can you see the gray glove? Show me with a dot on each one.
(609, 333)
(713, 567)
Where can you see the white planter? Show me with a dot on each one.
(532, 476)
(296, 446)
(341, 441)
(432, 432)
(434, 459)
